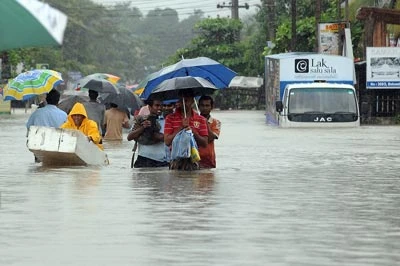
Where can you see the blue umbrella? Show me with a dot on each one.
(203, 67)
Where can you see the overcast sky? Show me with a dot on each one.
(185, 7)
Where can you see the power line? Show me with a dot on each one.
(146, 6)
(234, 6)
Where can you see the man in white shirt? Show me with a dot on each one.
(148, 132)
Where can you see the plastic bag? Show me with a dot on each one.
(184, 154)
(184, 146)
(181, 147)
(194, 151)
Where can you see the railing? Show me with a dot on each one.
(386, 105)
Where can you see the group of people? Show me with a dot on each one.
(157, 124)
(153, 129)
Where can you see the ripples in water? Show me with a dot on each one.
(278, 197)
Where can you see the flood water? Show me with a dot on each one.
(278, 197)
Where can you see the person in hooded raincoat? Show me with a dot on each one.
(78, 119)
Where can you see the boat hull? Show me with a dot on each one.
(64, 147)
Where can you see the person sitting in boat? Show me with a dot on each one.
(78, 119)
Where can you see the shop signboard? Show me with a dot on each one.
(383, 67)
(329, 37)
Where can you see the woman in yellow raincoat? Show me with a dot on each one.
(77, 119)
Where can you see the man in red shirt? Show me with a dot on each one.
(178, 120)
(207, 154)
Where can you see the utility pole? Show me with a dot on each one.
(270, 18)
(235, 9)
(294, 28)
(317, 20)
(234, 6)
(346, 10)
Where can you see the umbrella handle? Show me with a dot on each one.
(184, 106)
(197, 107)
(133, 155)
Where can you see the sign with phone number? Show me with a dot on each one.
(383, 68)
(383, 85)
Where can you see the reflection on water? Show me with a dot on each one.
(278, 197)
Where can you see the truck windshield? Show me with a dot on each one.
(305, 104)
(323, 100)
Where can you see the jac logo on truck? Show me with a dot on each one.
(313, 66)
(323, 119)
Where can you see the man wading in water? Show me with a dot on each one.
(186, 118)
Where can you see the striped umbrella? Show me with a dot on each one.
(111, 78)
(97, 76)
(31, 83)
(100, 82)
(142, 85)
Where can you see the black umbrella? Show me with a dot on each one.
(68, 102)
(97, 84)
(126, 99)
(173, 88)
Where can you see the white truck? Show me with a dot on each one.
(310, 90)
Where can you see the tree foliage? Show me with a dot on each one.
(116, 39)
(120, 40)
(217, 38)
(306, 26)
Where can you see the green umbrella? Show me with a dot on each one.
(30, 23)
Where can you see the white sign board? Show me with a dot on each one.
(329, 37)
(383, 67)
(307, 68)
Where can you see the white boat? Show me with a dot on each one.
(65, 147)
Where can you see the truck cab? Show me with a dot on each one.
(318, 104)
(310, 90)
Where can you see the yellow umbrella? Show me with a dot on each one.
(139, 91)
(31, 83)
(110, 77)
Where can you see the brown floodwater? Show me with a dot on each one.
(277, 197)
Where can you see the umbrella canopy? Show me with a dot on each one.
(101, 85)
(138, 91)
(68, 102)
(204, 67)
(172, 88)
(142, 85)
(29, 23)
(31, 83)
(110, 77)
(126, 99)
